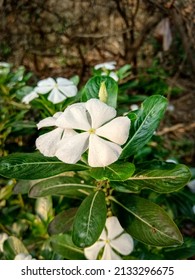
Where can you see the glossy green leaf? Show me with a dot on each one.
(148, 118)
(146, 221)
(114, 172)
(62, 185)
(63, 245)
(12, 247)
(92, 88)
(161, 177)
(62, 222)
(90, 220)
(33, 166)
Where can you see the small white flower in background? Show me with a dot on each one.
(193, 209)
(113, 239)
(58, 90)
(23, 256)
(106, 69)
(100, 133)
(3, 237)
(4, 65)
(134, 107)
(170, 108)
(107, 65)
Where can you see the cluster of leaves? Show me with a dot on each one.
(14, 122)
(71, 202)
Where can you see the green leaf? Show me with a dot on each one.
(183, 252)
(63, 245)
(114, 172)
(62, 222)
(148, 118)
(92, 88)
(161, 177)
(61, 185)
(33, 166)
(12, 247)
(146, 221)
(90, 220)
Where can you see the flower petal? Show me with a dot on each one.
(116, 130)
(47, 143)
(107, 65)
(70, 149)
(123, 244)
(113, 227)
(50, 121)
(91, 253)
(114, 76)
(69, 91)
(56, 96)
(100, 112)
(49, 82)
(75, 117)
(64, 82)
(109, 254)
(46, 85)
(103, 235)
(102, 152)
(29, 97)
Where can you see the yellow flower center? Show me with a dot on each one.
(92, 131)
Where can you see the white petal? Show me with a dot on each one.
(50, 121)
(100, 112)
(116, 130)
(113, 226)
(123, 244)
(47, 143)
(102, 152)
(103, 235)
(56, 96)
(91, 253)
(107, 65)
(69, 91)
(109, 254)
(64, 82)
(29, 97)
(70, 149)
(74, 117)
(114, 76)
(49, 82)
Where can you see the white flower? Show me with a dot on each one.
(23, 256)
(112, 240)
(107, 65)
(3, 237)
(58, 90)
(4, 65)
(100, 133)
(134, 107)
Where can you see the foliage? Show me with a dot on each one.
(73, 201)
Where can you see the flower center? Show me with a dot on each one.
(91, 130)
(56, 85)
